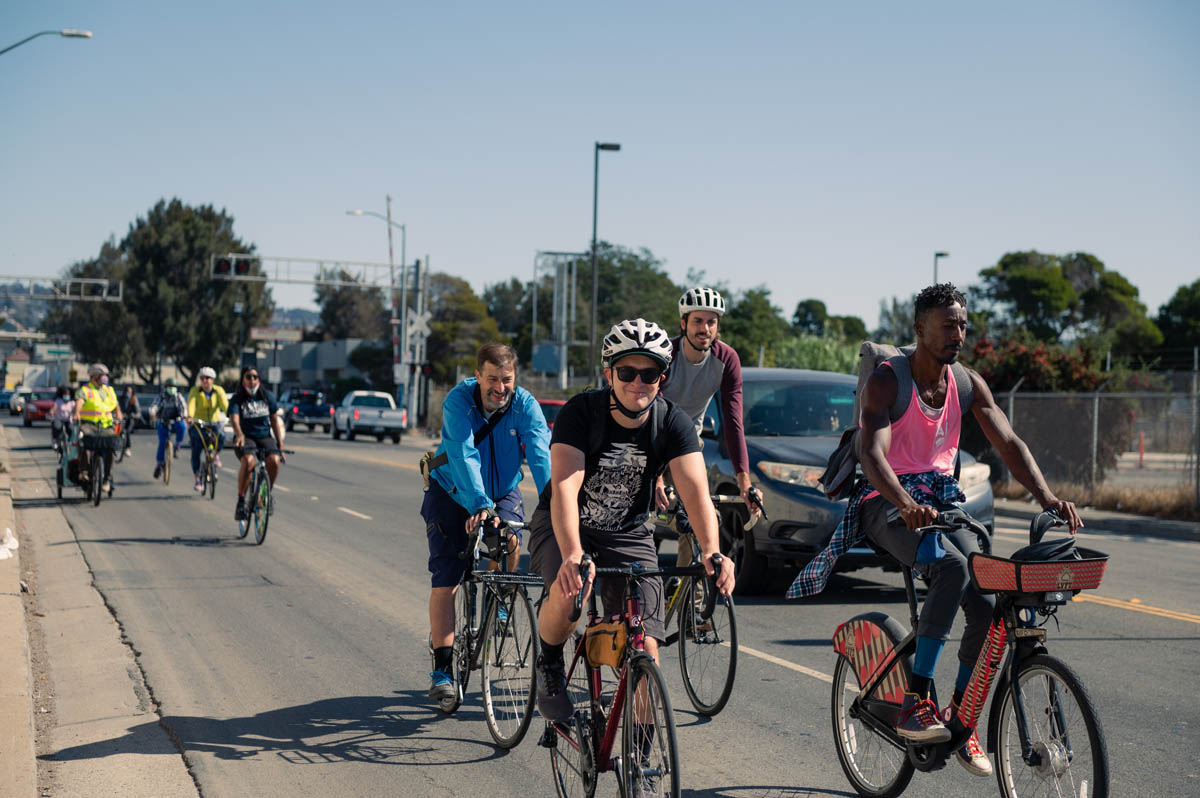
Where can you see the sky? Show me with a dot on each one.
(824, 150)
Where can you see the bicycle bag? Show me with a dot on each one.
(604, 643)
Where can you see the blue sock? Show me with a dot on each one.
(928, 651)
(964, 676)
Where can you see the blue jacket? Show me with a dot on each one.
(476, 478)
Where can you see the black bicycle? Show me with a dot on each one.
(496, 633)
(96, 444)
(208, 459)
(260, 505)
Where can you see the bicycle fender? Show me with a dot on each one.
(869, 642)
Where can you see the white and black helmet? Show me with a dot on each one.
(701, 299)
(637, 337)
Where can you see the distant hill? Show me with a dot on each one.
(295, 317)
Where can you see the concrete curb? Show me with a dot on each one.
(18, 753)
(1101, 521)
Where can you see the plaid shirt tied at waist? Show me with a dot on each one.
(812, 578)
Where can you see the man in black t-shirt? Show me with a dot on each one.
(600, 500)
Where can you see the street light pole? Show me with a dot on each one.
(67, 33)
(403, 320)
(595, 275)
(937, 255)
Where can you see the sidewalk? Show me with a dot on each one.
(1108, 521)
(18, 768)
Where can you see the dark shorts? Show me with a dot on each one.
(446, 531)
(608, 549)
(253, 444)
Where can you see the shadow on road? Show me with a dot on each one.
(761, 791)
(401, 729)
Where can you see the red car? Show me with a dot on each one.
(550, 408)
(39, 405)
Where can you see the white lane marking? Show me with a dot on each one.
(314, 498)
(783, 663)
(228, 470)
(282, 488)
(348, 511)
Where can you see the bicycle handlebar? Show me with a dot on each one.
(637, 571)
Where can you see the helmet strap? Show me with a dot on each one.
(633, 414)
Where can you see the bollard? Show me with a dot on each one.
(1141, 449)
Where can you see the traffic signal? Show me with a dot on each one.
(242, 267)
(222, 267)
(426, 369)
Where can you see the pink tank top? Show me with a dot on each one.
(921, 443)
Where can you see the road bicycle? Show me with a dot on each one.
(707, 644)
(637, 705)
(96, 444)
(260, 505)
(208, 432)
(1042, 727)
(123, 432)
(496, 634)
(169, 451)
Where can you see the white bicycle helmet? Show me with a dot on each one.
(636, 337)
(701, 299)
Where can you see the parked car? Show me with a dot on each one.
(38, 405)
(550, 409)
(16, 403)
(145, 400)
(369, 413)
(793, 420)
(306, 407)
(5, 395)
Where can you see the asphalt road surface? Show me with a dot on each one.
(300, 667)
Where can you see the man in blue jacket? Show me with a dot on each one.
(477, 481)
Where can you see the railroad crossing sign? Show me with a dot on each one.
(418, 325)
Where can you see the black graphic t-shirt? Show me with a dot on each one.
(618, 485)
(255, 413)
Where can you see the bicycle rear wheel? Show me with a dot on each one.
(649, 753)
(97, 477)
(1063, 728)
(262, 509)
(464, 631)
(873, 764)
(572, 758)
(509, 650)
(707, 647)
(123, 444)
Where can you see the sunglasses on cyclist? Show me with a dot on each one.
(649, 375)
(250, 377)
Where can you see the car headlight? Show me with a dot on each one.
(806, 476)
(973, 475)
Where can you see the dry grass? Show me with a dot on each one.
(1174, 503)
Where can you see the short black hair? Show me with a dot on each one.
(942, 295)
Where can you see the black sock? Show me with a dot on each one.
(957, 698)
(551, 653)
(920, 685)
(443, 656)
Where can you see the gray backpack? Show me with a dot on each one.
(841, 472)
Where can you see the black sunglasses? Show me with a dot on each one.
(250, 377)
(648, 375)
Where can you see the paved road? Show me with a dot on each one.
(300, 667)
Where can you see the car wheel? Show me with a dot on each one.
(327, 428)
(379, 438)
(337, 433)
(28, 422)
(749, 567)
(349, 434)
(290, 425)
(396, 439)
(312, 427)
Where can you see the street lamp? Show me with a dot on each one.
(66, 33)
(404, 283)
(595, 275)
(937, 255)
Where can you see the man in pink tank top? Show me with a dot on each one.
(909, 463)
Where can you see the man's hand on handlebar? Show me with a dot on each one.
(1066, 511)
(750, 494)
(918, 515)
(714, 561)
(569, 580)
(481, 516)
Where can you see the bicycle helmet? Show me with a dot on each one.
(208, 372)
(97, 368)
(636, 337)
(701, 299)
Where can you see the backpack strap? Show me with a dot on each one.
(966, 390)
(904, 385)
(598, 405)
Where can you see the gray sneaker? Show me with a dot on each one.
(552, 699)
(441, 686)
(919, 722)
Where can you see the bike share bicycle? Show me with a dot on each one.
(497, 634)
(638, 706)
(1042, 726)
(260, 505)
(707, 643)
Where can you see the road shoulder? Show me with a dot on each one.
(1108, 521)
(18, 771)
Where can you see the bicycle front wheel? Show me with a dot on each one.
(707, 647)
(509, 651)
(168, 456)
(97, 477)
(262, 510)
(1064, 729)
(211, 477)
(874, 765)
(649, 754)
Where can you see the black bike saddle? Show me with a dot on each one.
(1053, 549)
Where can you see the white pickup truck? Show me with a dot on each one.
(369, 413)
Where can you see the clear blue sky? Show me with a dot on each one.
(826, 150)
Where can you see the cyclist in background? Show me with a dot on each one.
(480, 480)
(96, 409)
(171, 411)
(599, 501)
(206, 404)
(254, 416)
(60, 415)
(700, 367)
(131, 409)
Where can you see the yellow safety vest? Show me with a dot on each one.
(203, 409)
(98, 404)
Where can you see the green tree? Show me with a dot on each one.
(182, 312)
(752, 322)
(105, 332)
(1033, 291)
(847, 328)
(895, 322)
(375, 361)
(810, 317)
(460, 325)
(818, 352)
(351, 312)
(1179, 321)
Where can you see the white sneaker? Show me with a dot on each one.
(199, 486)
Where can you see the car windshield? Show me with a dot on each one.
(551, 412)
(371, 401)
(44, 395)
(797, 409)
